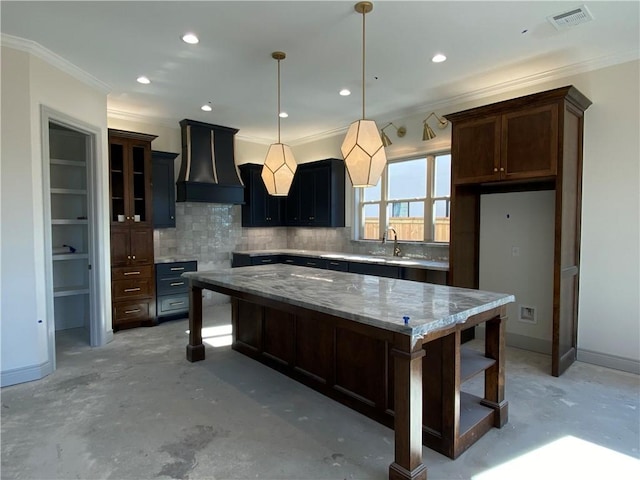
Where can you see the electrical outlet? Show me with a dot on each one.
(528, 314)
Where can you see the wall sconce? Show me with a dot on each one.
(427, 132)
(386, 141)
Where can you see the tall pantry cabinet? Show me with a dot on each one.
(132, 259)
(529, 143)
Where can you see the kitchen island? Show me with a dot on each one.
(387, 348)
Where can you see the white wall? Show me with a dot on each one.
(516, 256)
(27, 83)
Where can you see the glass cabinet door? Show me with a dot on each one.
(139, 174)
(119, 211)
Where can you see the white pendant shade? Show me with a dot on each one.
(363, 153)
(278, 170)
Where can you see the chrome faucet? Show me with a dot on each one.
(396, 248)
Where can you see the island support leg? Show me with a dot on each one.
(494, 378)
(408, 414)
(195, 348)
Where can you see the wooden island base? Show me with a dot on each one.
(412, 385)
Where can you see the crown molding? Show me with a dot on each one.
(522, 82)
(55, 60)
(479, 94)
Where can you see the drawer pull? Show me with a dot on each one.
(176, 303)
(132, 273)
(135, 310)
(313, 264)
(137, 289)
(266, 260)
(288, 261)
(177, 284)
(176, 269)
(334, 263)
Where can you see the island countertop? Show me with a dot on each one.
(405, 261)
(376, 301)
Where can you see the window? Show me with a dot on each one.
(412, 197)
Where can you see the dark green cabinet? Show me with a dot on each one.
(259, 209)
(164, 189)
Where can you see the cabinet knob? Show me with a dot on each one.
(502, 169)
(171, 217)
(129, 257)
(495, 169)
(134, 257)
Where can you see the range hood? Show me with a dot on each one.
(208, 172)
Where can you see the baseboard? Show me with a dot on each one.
(609, 361)
(544, 346)
(25, 374)
(532, 344)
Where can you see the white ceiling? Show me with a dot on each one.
(232, 67)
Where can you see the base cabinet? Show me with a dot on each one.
(438, 277)
(172, 299)
(317, 350)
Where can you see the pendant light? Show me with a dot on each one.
(362, 148)
(279, 164)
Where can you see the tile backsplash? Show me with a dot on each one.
(209, 233)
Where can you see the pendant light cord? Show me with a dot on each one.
(279, 101)
(363, 61)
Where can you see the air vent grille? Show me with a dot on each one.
(571, 18)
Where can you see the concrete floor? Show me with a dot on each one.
(136, 409)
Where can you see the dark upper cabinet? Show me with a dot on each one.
(316, 198)
(260, 209)
(164, 189)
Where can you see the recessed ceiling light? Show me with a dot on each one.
(438, 58)
(144, 80)
(283, 114)
(345, 92)
(190, 38)
(206, 107)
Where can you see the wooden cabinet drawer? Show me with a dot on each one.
(125, 312)
(172, 304)
(125, 289)
(174, 269)
(172, 285)
(130, 273)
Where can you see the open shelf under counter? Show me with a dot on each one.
(473, 362)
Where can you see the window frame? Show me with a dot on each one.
(384, 204)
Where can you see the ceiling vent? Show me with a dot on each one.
(571, 18)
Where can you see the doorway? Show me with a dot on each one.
(69, 183)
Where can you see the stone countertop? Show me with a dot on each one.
(377, 301)
(173, 259)
(400, 261)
